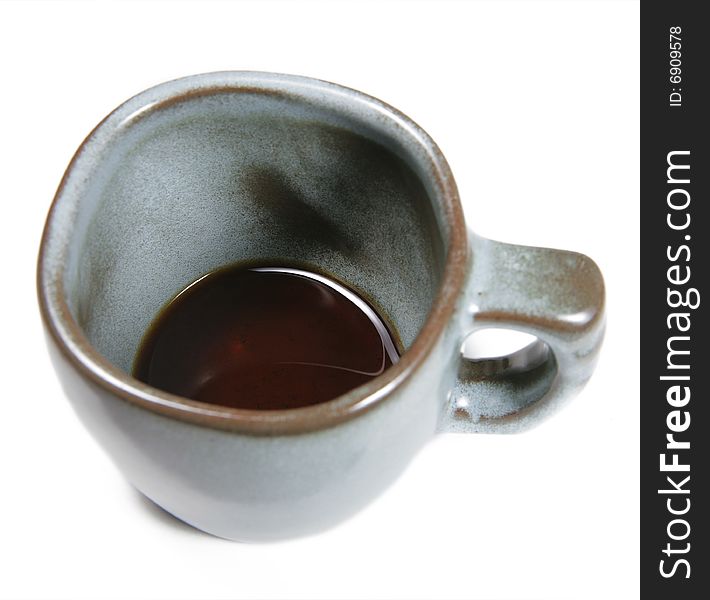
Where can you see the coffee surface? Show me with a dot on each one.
(265, 339)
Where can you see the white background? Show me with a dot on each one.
(536, 106)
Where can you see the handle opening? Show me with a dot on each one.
(495, 351)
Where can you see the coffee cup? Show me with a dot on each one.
(231, 167)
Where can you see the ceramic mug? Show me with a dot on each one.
(219, 168)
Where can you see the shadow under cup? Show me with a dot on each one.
(192, 184)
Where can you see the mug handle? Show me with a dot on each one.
(555, 295)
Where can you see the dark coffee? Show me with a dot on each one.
(264, 338)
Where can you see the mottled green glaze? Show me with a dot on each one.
(202, 172)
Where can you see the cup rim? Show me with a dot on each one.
(76, 348)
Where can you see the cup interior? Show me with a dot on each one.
(186, 185)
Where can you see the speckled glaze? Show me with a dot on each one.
(221, 168)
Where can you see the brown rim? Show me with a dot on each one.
(76, 348)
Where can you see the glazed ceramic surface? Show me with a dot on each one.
(234, 167)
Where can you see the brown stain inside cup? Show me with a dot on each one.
(266, 338)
